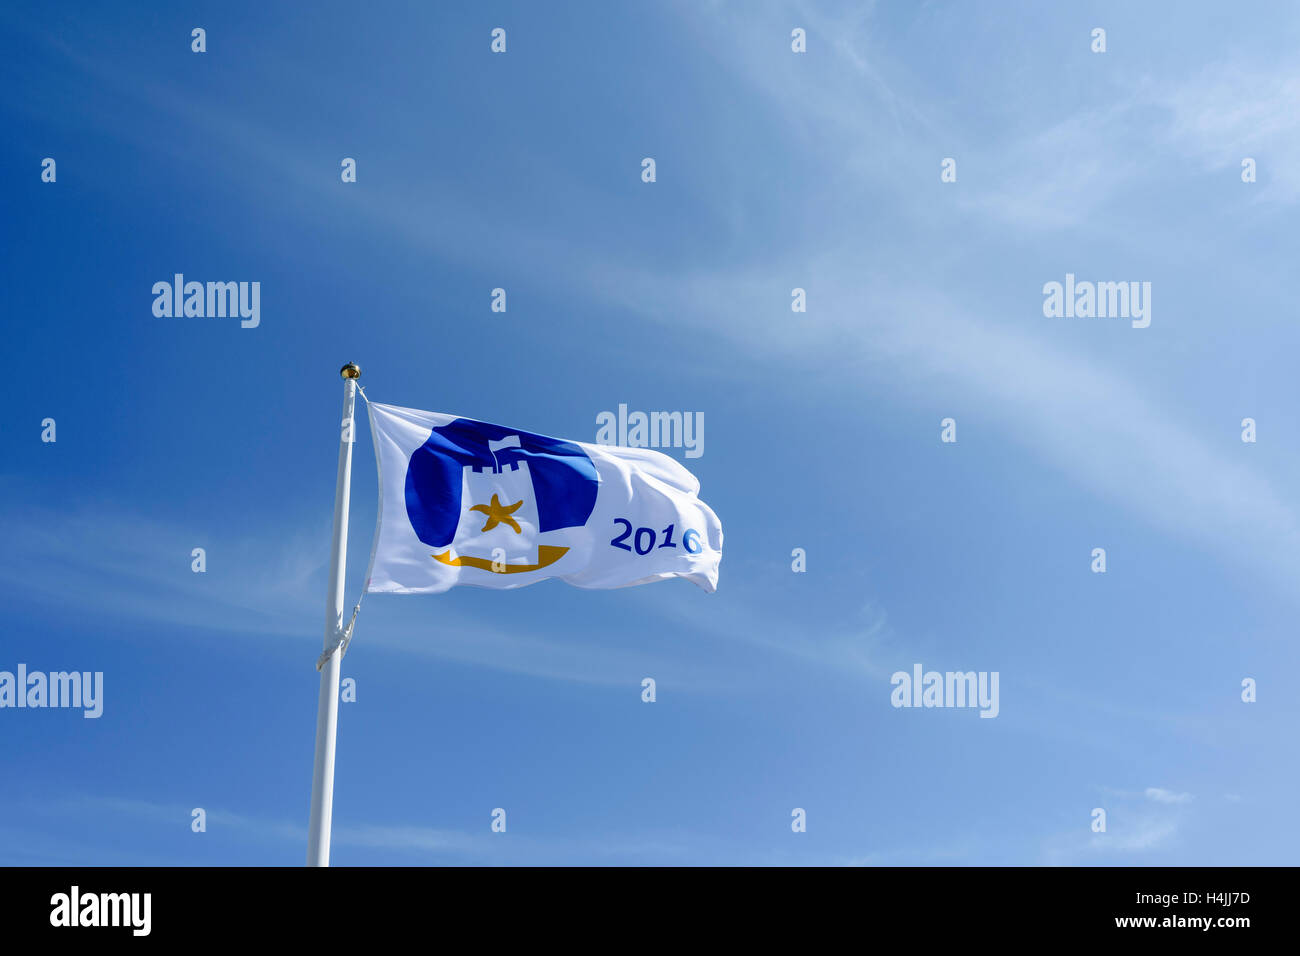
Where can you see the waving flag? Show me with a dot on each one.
(466, 502)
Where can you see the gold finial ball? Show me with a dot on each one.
(351, 370)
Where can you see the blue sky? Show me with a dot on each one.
(775, 170)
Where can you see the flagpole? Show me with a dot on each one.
(327, 709)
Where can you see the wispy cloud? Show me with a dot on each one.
(1160, 795)
(137, 567)
(1233, 109)
(425, 844)
(1133, 827)
(128, 563)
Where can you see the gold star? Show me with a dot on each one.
(499, 514)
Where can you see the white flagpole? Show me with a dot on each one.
(327, 712)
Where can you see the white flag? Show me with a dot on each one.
(466, 502)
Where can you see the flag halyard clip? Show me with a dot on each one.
(341, 645)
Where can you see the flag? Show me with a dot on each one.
(467, 502)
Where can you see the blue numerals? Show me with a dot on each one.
(643, 539)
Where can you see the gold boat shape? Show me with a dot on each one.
(546, 556)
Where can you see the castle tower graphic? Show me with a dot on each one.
(484, 496)
(512, 486)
